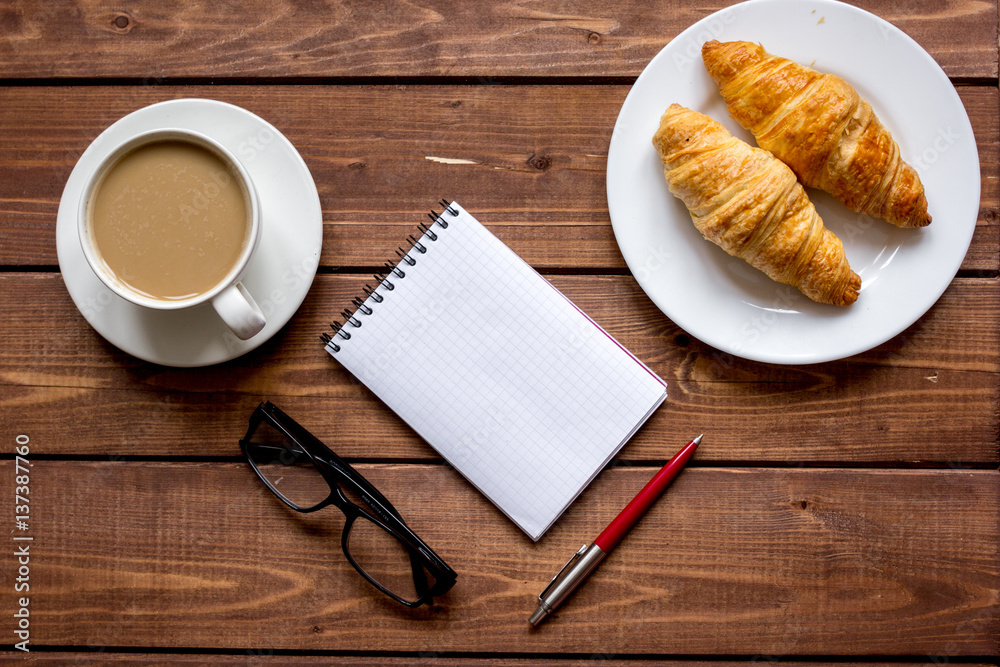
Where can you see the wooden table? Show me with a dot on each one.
(842, 511)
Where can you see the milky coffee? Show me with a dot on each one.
(170, 219)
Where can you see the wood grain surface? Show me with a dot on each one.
(837, 513)
(742, 561)
(924, 402)
(528, 160)
(101, 655)
(360, 38)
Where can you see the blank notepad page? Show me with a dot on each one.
(519, 390)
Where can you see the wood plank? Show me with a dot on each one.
(104, 656)
(928, 396)
(534, 162)
(732, 561)
(434, 38)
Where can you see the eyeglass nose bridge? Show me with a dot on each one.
(371, 505)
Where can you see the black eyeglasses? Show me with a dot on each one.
(307, 476)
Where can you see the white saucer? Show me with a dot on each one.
(278, 277)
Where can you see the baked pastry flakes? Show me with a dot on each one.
(819, 126)
(749, 203)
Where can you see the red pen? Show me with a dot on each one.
(589, 556)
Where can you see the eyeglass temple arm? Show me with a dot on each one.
(419, 575)
(261, 446)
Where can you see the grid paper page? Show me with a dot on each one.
(519, 390)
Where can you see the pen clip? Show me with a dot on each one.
(572, 560)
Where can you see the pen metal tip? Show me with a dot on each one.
(540, 615)
(697, 440)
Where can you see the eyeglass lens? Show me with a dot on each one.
(286, 467)
(386, 560)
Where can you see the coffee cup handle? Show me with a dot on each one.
(239, 311)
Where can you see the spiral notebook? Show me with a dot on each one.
(516, 387)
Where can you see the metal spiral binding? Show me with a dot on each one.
(383, 281)
(404, 257)
(338, 330)
(394, 268)
(360, 305)
(438, 218)
(349, 317)
(427, 232)
(391, 269)
(414, 243)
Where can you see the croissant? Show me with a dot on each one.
(748, 202)
(819, 126)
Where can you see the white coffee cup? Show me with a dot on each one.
(228, 296)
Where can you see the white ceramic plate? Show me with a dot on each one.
(722, 300)
(280, 272)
